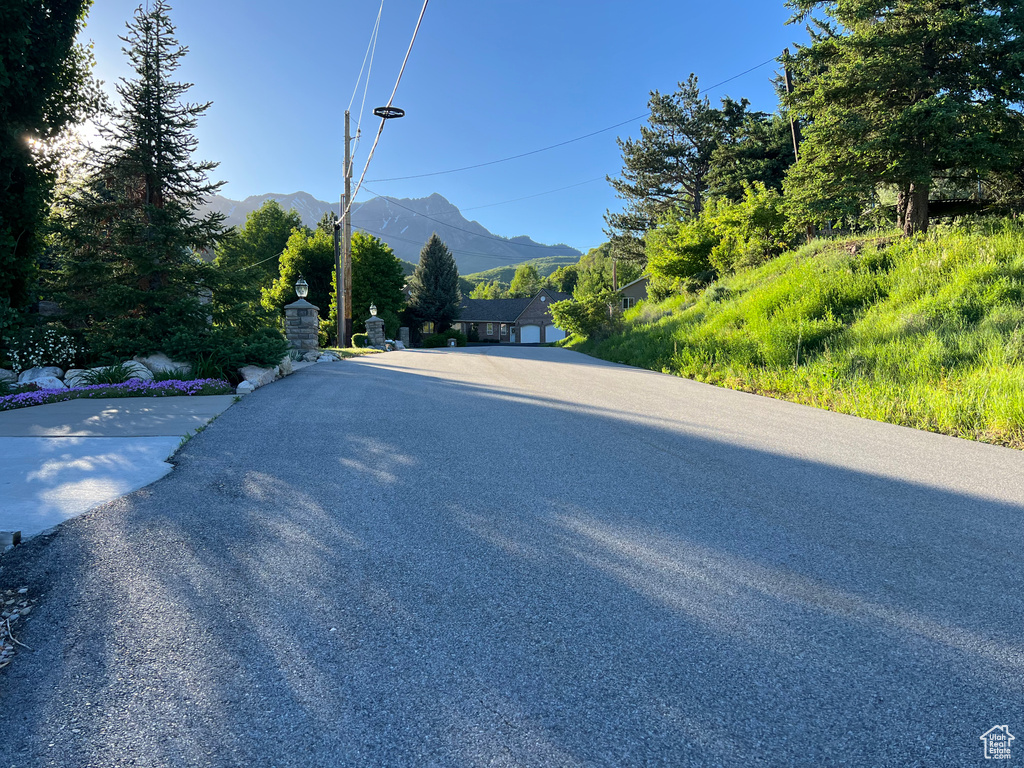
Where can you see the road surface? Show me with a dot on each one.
(526, 557)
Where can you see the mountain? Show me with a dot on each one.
(406, 225)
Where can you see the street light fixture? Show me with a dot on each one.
(389, 113)
(373, 310)
(301, 287)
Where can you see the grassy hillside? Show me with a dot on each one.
(927, 333)
(545, 266)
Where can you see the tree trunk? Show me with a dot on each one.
(912, 208)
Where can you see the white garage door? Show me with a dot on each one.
(529, 334)
(553, 334)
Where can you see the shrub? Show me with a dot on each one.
(360, 340)
(43, 345)
(585, 317)
(118, 373)
(441, 339)
(175, 374)
(220, 352)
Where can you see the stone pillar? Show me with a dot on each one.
(375, 330)
(403, 336)
(302, 325)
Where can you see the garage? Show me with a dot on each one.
(551, 333)
(529, 334)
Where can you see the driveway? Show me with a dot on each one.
(525, 557)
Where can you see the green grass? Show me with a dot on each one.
(504, 274)
(347, 352)
(927, 333)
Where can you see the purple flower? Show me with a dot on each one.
(130, 388)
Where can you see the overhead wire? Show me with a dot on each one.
(563, 143)
(391, 100)
(372, 52)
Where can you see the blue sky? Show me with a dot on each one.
(486, 80)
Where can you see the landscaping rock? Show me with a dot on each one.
(328, 357)
(49, 382)
(310, 357)
(257, 376)
(73, 378)
(286, 366)
(8, 376)
(34, 374)
(161, 363)
(245, 388)
(139, 371)
(399, 344)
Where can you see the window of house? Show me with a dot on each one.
(490, 329)
(627, 302)
(428, 327)
(504, 329)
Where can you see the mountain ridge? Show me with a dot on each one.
(406, 224)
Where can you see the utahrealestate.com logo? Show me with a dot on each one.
(997, 742)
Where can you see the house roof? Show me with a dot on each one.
(500, 310)
(492, 310)
(641, 279)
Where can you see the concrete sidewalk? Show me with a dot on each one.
(63, 459)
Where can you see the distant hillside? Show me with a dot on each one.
(504, 274)
(407, 224)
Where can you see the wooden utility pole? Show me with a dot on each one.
(346, 338)
(339, 297)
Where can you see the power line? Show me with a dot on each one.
(644, 116)
(530, 197)
(383, 120)
(371, 52)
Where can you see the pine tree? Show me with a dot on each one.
(44, 88)
(667, 167)
(131, 269)
(906, 93)
(435, 286)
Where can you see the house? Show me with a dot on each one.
(633, 292)
(511, 321)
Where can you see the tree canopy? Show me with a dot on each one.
(904, 92)
(309, 255)
(45, 86)
(129, 249)
(526, 282)
(377, 278)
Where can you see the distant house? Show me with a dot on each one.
(511, 321)
(631, 293)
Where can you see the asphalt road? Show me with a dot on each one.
(524, 557)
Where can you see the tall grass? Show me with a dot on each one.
(928, 332)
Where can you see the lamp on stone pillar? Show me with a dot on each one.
(375, 328)
(301, 287)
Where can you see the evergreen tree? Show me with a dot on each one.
(904, 93)
(44, 88)
(525, 283)
(132, 277)
(247, 262)
(435, 286)
(759, 151)
(667, 167)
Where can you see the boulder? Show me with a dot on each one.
(161, 363)
(139, 371)
(9, 376)
(399, 345)
(49, 382)
(328, 357)
(257, 376)
(245, 388)
(286, 366)
(73, 378)
(310, 357)
(34, 374)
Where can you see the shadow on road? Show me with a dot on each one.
(371, 564)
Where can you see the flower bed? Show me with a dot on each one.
(133, 388)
